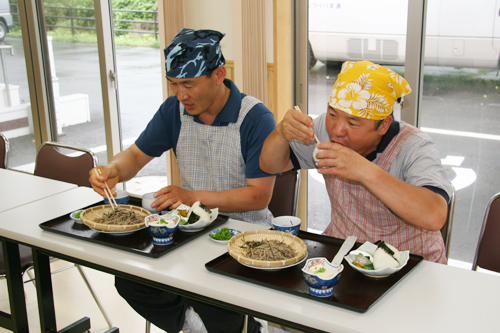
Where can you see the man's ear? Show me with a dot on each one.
(386, 124)
(220, 73)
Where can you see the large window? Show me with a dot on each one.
(16, 121)
(72, 54)
(460, 108)
(459, 102)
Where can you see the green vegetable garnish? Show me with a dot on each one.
(223, 235)
(321, 270)
(77, 215)
(162, 221)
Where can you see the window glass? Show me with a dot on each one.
(76, 81)
(139, 60)
(74, 61)
(16, 122)
(460, 108)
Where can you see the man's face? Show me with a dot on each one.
(353, 132)
(196, 94)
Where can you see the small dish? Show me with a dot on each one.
(369, 249)
(319, 285)
(200, 225)
(213, 232)
(75, 216)
(161, 229)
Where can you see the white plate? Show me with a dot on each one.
(213, 232)
(117, 233)
(76, 219)
(195, 227)
(370, 248)
(276, 268)
(200, 225)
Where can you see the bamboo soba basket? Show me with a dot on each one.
(237, 252)
(89, 215)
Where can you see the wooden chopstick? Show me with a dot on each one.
(108, 193)
(296, 107)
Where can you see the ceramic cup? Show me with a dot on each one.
(289, 224)
(121, 198)
(147, 200)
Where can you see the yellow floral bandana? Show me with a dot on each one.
(367, 90)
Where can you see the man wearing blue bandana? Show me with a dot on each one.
(216, 133)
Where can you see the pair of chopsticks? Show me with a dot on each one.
(296, 107)
(108, 193)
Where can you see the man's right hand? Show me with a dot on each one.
(108, 174)
(296, 126)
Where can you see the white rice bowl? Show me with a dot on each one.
(370, 248)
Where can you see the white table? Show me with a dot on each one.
(19, 188)
(432, 298)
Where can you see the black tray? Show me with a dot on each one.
(354, 291)
(140, 242)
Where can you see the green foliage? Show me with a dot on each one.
(67, 3)
(61, 15)
(134, 16)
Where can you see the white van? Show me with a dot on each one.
(460, 33)
(5, 18)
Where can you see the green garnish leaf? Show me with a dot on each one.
(223, 234)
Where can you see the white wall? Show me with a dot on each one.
(218, 15)
(215, 15)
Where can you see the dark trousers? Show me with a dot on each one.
(166, 310)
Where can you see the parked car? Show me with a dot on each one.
(5, 18)
(460, 33)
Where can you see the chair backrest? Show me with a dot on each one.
(285, 194)
(448, 225)
(24, 255)
(4, 151)
(488, 247)
(51, 163)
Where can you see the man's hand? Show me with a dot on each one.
(171, 197)
(336, 159)
(108, 174)
(296, 125)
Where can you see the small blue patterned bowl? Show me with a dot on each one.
(319, 285)
(122, 198)
(289, 224)
(162, 230)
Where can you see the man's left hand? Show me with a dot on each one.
(335, 159)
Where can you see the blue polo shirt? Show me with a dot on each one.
(162, 132)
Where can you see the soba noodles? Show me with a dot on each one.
(268, 250)
(121, 216)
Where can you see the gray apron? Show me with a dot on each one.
(210, 159)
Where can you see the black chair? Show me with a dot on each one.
(285, 194)
(488, 248)
(448, 225)
(4, 151)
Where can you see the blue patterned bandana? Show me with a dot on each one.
(193, 53)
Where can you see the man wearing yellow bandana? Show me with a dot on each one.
(384, 178)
